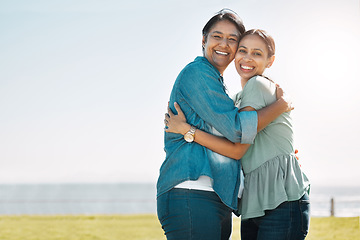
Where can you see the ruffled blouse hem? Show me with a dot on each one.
(276, 181)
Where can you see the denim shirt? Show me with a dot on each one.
(200, 91)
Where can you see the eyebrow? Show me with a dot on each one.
(232, 34)
(257, 49)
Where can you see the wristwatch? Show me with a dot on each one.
(190, 135)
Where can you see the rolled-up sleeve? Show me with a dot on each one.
(249, 121)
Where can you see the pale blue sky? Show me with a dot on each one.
(84, 84)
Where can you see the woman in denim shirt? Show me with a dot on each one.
(197, 189)
(275, 203)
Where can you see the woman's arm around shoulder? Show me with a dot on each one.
(177, 124)
(256, 89)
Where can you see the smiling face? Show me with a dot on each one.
(252, 57)
(220, 44)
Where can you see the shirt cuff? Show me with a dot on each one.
(249, 122)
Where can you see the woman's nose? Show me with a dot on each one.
(224, 42)
(247, 58)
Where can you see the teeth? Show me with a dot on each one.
(222, 53)
(246, 67)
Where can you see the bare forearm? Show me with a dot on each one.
(217, 144)
(221, 145)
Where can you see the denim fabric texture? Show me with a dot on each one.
(200, 91)
(289, 221)
(193, 214)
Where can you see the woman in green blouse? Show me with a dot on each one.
(275, 202)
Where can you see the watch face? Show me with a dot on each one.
(189, 137)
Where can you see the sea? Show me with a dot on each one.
(137, 198)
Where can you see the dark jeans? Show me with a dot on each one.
(289, 221)
(193, 214)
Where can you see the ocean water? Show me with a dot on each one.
(136, 198)
(77, 199)
(346, 200)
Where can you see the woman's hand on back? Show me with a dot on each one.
(281, 96)
(176, 123)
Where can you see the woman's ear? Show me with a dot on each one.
(271, 61)
(203, 42)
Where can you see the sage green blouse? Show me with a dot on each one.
(272, 173)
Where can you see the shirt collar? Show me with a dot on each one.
(221, 78)
(204, 59)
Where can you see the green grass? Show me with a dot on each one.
(334, 228)
(139, 227)
(80, 227)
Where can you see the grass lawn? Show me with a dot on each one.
(139, 227)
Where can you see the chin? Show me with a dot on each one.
(222, 63)
(245, 76)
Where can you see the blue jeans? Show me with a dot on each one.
(289, 221)
(193, 214)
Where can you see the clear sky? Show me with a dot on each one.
(84, 84)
